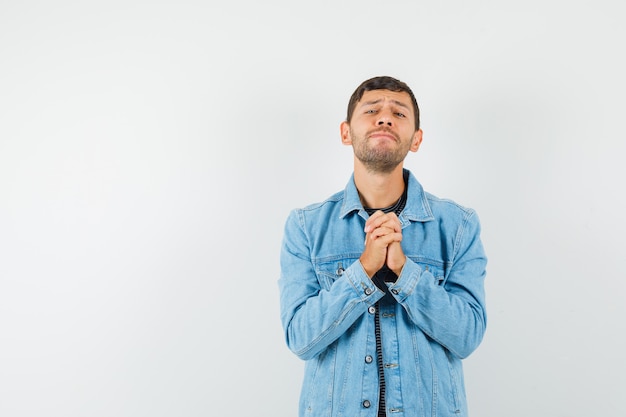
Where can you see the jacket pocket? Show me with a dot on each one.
(457, 385)
(318, 386)
(331, 270)
(433, 268)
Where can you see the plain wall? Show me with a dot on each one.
(151, 151)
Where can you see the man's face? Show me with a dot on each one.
(382, 130)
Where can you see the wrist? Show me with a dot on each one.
(397, 267)
(369, 270)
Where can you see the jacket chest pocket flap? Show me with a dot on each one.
(330, 271)
(434, 269)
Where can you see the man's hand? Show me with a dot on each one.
(395, 257)
(383, 234)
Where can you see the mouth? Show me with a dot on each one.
(383, 134)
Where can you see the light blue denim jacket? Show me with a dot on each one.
(328, 305)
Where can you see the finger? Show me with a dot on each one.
(379, 218)
(393, 237)
(384, 220)
(372, 220)
(385, 241)
(379, 235)
(393, 221)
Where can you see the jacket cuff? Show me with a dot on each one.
(362, 284)
(407, 281)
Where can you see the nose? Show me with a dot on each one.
(384, 118)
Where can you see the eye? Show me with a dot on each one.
(370, 111)
(400, 114)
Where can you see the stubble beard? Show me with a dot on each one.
(378, 159)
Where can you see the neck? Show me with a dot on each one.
(378, 189)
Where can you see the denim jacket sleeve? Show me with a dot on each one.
(314, 317)
(451, 311)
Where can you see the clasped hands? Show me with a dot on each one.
(383, 234)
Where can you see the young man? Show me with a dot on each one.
(381, 286)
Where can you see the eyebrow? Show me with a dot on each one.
(396, 102)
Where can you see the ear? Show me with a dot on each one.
(344, 130)
(417, 140)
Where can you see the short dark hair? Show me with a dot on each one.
(382, 83)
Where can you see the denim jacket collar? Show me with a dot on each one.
(416, 209)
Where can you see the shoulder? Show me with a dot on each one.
(333, 200)
(446, 204)
(425, 206)
(318, 210)
(449, 211)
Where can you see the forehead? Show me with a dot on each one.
(386, 96)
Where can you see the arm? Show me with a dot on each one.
(453, 314)
(314, 317)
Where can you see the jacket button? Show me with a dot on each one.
(367, 404)
(369, 359)
(368, 291)
(372, 309)
(395, 291)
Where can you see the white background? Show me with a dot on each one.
(151, 151)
